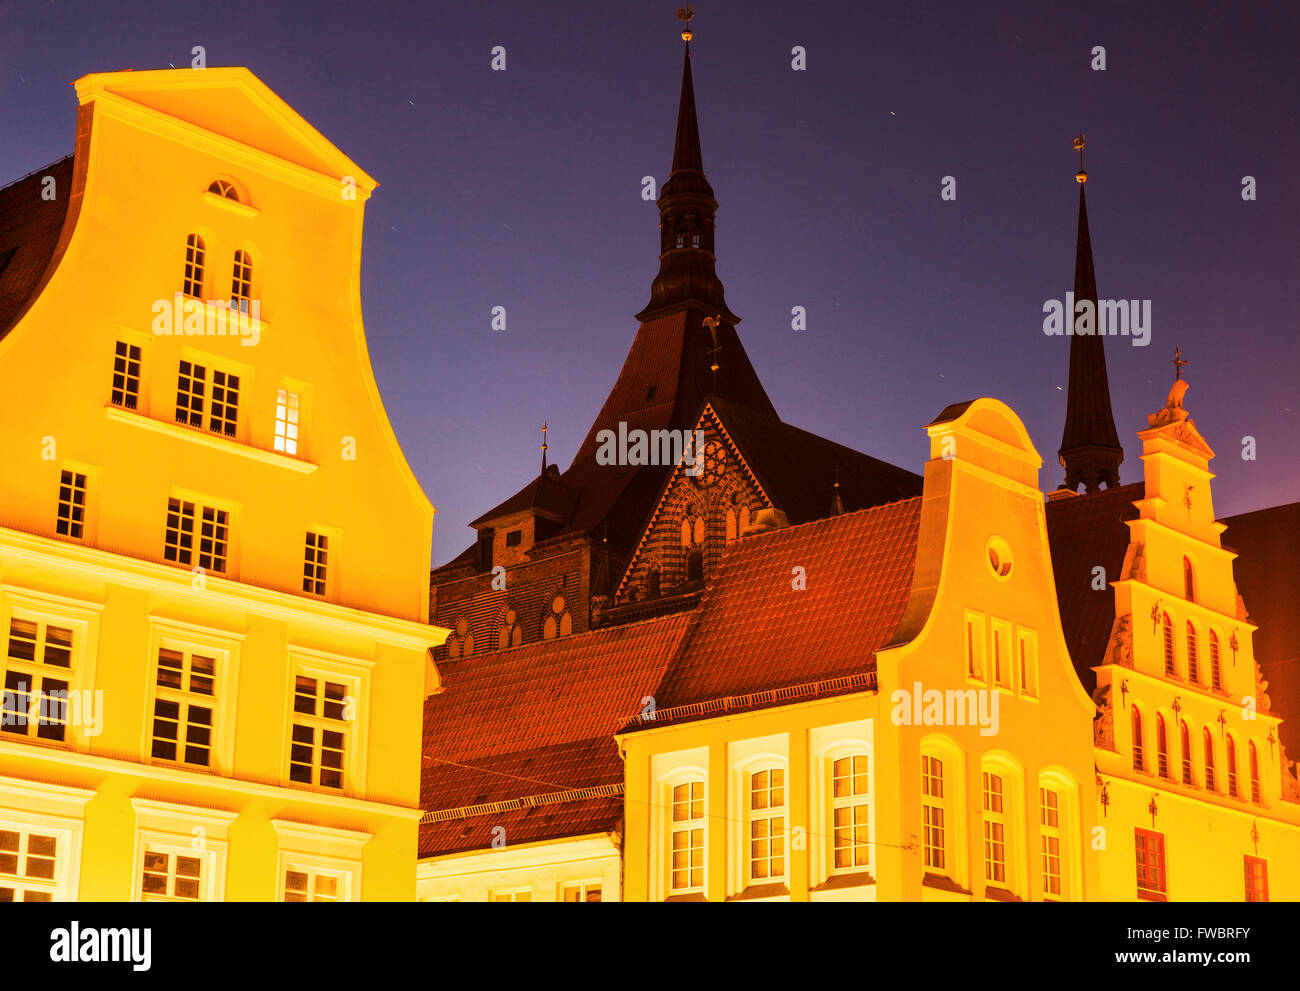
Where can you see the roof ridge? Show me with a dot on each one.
(41, 168)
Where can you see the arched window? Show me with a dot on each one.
(766, 818)
(1185, 742)
(195, 259)
(933, 805)
(1189, 581)
(1216, 676)
(1170, 669)
(1162, 746)
(241, 282)
(995, 829)
(1209, 760)
(850, 813)
(461, 642)
(1254, 773)
(686, 843)
(1193, 674)
(509, 632)
(558, 622)
(224, 189)
(694, 565)
(730, 521)
(1137, 739)
(1232, 766)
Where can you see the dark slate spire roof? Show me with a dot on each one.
(1090, 449)
(686, 150)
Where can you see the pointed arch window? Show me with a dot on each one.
(1232, 766)
(1185, 745)
(1193, 672)
(1254, 773)
(196, 254)
(1209, 759)
(1189, 581)
(1162, 746)
(241, 282)
(1170, 667)
(1216, 675)
(1137, 739)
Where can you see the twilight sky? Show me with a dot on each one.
(522, 189)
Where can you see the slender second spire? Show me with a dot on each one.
(686, 216)
(1090, 449)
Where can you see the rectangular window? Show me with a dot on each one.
(514, 538)
(975, 647)
(179, 544)
(995, 842)
(286, 421)
(191, 387)
(932, 809)
(1027, 657)
(314, 562)
(213, 540)
(183, 707)
(312, 886)
(320, 726)
(169, 876)
(194, 262)
(849, 812)
(1256, 879)
(27, 861)
(580, 893)
(71, 520)
(241, 283)
(1150, 850)
(224, 413)
(512, 896)
(214, 535)
(126, 375)
(688, 837)
(767, 825)
(1050, 820)
(36, 681)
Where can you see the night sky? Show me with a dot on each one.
(522, 189)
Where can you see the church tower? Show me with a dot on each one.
(1090, 449)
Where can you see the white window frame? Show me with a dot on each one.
(1002, 661)
(51, 810)
(975, 649)
(667, 771)
(355, 675)
(823, 809)
(320, 850)
(584, 888)
(1026, 663)
(956, 828)
(186, 831)
(762, 760)
(225, 647)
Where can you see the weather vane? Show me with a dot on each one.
(686, 15)
(1080, 176)
(1179, 362)
(545, 427)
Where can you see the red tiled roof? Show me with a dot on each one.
(1268, 542)
(535, 720)
(754, 632)
(29, 232)
(1084, 532)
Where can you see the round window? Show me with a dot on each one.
(999, 552)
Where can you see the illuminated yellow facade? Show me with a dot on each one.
(1196, 798)
(210, 541)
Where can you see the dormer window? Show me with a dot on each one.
(224, 189)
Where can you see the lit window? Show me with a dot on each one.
(71, 519)
(224, 189)
(126, 375)
(314, 562)
(171, 876)
(687, 841)
(1193, 673)
(995, 840)
(1231, 760)
(184, 691)
(191, 386)
(1050, 821)
(850, 813)
(767, 825)
(195, 254)
(1256, 879)
(27, 861)
(286, 421)
(225, 403)
(580, 892)
(241, 282)
(320, 725)
(1150, 856)
(1253, 756)
(1137, 740)
(1209, 760)
(1216, 677)
(1170, 668)
(932, 806)
(37, 676)
(312, 886)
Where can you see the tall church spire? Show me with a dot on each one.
(1090, 449)
(686, 215)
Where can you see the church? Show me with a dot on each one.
(786, 670)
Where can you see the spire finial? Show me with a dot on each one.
(686, 15)
(1179, 362)
(545, 427)
(1080, 176)
(712, 324)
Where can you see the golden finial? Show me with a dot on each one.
(545, 427)
(1080, 176)
(685, 15)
